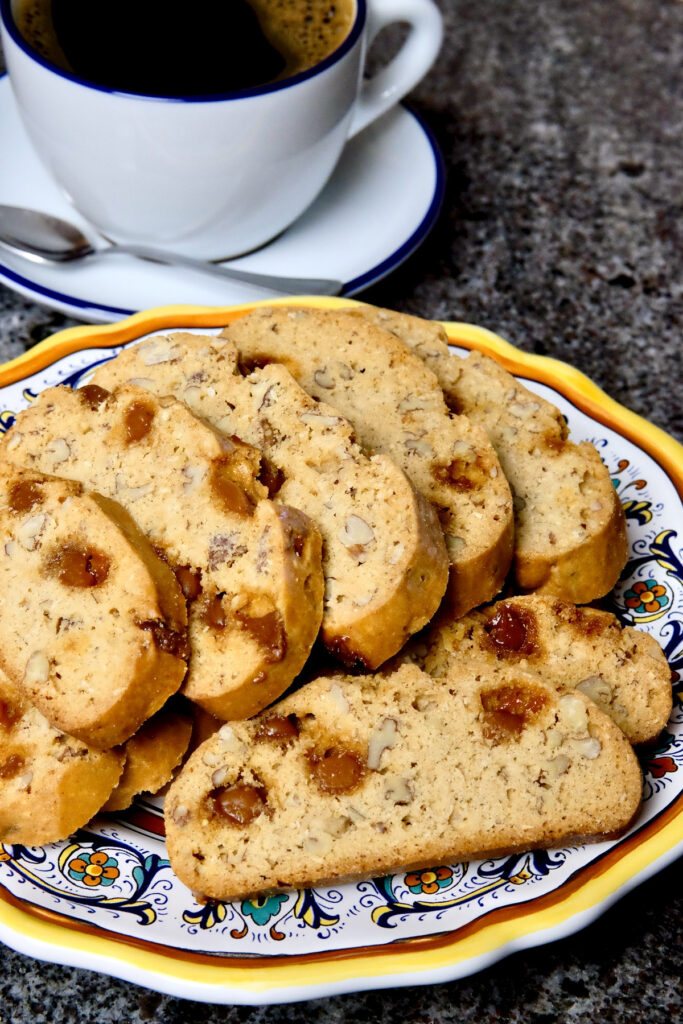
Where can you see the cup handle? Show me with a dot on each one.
(410, 64)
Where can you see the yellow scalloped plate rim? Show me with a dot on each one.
(46, 934)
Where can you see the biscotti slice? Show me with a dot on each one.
(384, 558)
(350, 777)
(50, 783)
(151, 756)
(397, 408)
(92, 623)
(570, 530)
(250, 569)
(623, 670)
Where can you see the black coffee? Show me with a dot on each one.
(206, 47)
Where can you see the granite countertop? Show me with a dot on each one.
(560, 126)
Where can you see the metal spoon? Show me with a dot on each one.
(42, 238)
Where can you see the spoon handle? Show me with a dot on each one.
(286, 285)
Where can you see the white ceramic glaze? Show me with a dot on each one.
(380, 203)
(211, 177)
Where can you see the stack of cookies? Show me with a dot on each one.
(328, 498)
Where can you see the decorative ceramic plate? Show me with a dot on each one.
(376, 209)
(106, 899)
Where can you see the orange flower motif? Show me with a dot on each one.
(94, 869)
(429, 882)
(646, 596)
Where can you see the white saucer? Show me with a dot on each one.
(377, 208)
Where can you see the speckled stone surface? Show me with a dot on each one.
(560, 123)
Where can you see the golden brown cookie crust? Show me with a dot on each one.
(396, 406)
(92, 625)
(151, 756)
(623, 670)
(50, 784)
(250, 569)
(357, 776)
(384, 557)
(570, 530)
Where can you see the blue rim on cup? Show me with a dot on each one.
(7, 17)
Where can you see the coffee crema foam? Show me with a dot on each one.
(34, 21)
(305, 32)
